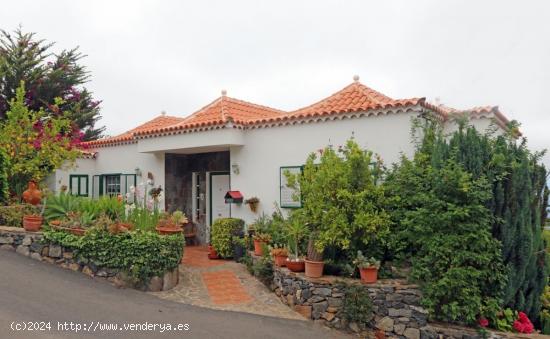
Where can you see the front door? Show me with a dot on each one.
(219, 185)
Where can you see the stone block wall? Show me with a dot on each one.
(30, 244)
(396, 309)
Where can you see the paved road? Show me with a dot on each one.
(33, 291)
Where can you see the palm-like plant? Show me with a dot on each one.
(296, 231)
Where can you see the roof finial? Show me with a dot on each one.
(356, 78)
(224, 92)
(163, 113)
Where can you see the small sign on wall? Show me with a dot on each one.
(290, 197)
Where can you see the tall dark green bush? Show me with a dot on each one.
(445, 230)
(3, 178)
(518, 203)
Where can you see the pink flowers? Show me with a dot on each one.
(523, 324)
(483, 322)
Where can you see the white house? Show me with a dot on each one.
(233, 145)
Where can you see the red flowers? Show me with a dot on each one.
(523, 324)
(483, 322)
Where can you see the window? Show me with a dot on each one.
(78, 184)
(112, 185)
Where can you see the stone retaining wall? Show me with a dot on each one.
(395, 304)
(30, 244)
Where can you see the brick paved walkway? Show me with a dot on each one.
(225, 285)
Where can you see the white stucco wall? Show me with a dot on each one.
(117, 159)
(267, 149)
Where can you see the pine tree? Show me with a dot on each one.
(47, 76)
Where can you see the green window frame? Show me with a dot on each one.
(82, 188)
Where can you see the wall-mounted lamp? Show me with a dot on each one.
(235, 168)
(137, 170)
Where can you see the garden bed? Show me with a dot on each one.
(161, 276)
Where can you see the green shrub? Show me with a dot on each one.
(343, 202)
(357, 304)
(263, 269)
(13, 215)
(223, 231)
(141, 254)
(4, 189)
(518, 198)
(446, 228)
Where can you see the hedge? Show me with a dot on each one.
(140, 254)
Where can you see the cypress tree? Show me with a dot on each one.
(518, 203)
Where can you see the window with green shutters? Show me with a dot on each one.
(79, 184)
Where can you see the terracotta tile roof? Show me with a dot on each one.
(219, 112)
(353, 98)
(476, 113)
(128, 136)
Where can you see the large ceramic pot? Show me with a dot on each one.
(32, 223)
(280, 260)
(295, 266)
(314, 269)
(238, 252)
(369, 275)
(258, 248)
(32, 194)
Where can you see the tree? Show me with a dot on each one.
(518, 202)
(47, 76)
(35, 143)
(446, 228)
(342, 199)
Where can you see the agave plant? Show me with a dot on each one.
(60, 206)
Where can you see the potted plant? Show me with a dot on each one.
(171, 224)
(260, 240)
(314, 260)
(75, 223)
(295, 231)
(252, 203)
(280, 255)
(33, 196)
(368, 268)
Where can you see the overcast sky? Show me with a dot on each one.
(177, 56)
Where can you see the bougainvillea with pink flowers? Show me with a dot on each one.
(36, 143)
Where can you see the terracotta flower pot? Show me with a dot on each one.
(162, 230)
(76, 231)
(295, 266)
(32, 194)
(314, 269)
(280, 260)
(258, 250)
(369, 275)
(32, 223)
(212, 253)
